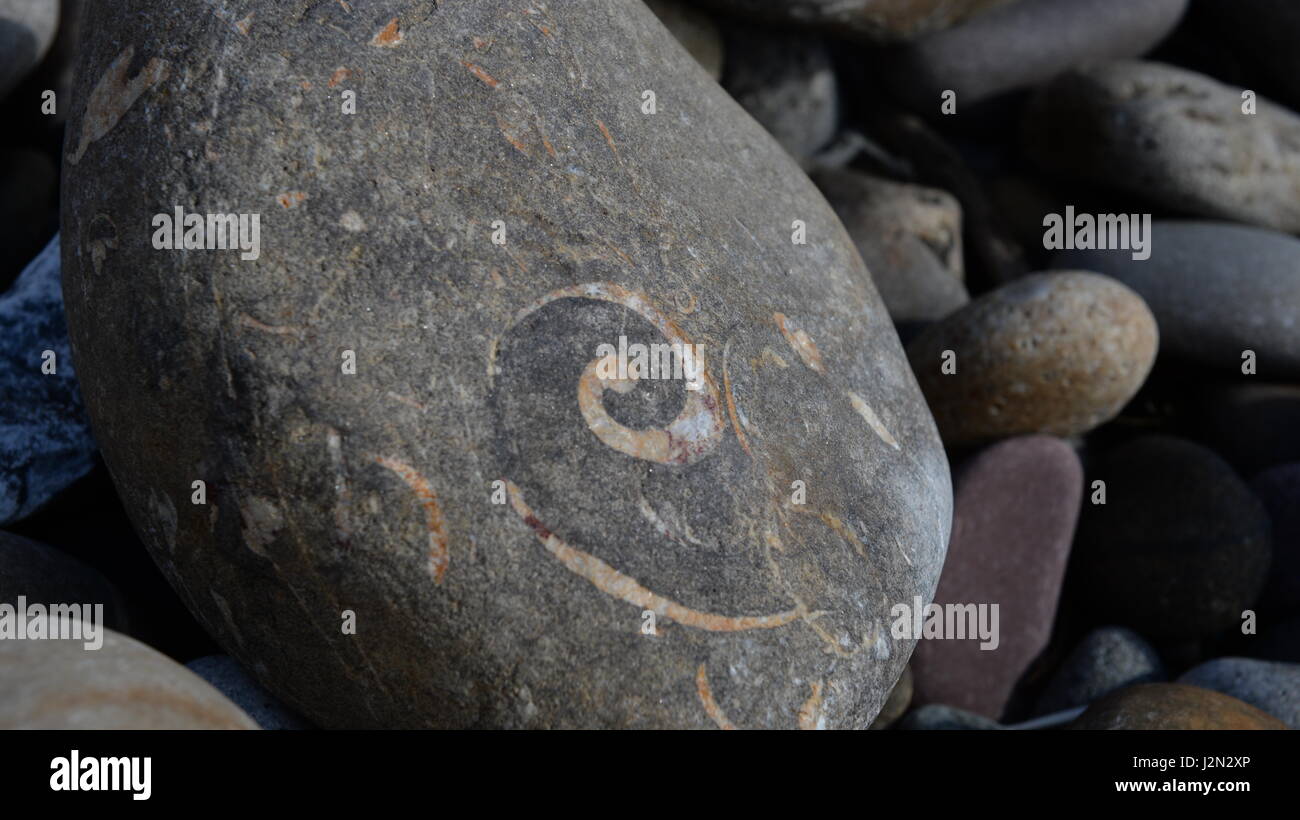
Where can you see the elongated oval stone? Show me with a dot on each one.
(428, 500)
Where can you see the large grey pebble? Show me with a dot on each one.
(1217, 290)
(1172, 136)
(1022, 45)
(45, 439)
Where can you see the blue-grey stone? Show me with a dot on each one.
(229, 678)
(1106, 660)
(1272, 687)
(45, 439)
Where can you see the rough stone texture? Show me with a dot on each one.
(1056, 353)
(1173, 706)
(1253, 426)
(910, 238)
(900, 698)
(1263, 32)
(45, 439)
(877, 20)
(43, 575)
(1107, 660)
(1279, 489)
(1022, 45)
(26, 30)
(1014, 513)
(1171, 136)
(1181, 545)
(476, 362)
(787, 83)
(1271, 687)
(695, 30)
(1216, 290)
(937, 717)
(59, 684)
(229, 678)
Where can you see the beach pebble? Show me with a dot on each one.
(1056, 353)
(1271, 687)
(1105, 660)
(1173, 706)
(229, 678)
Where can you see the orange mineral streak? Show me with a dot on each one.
(439, 558)
(800, 342)
(609, 139)
(810, 714)
(389, 36)
(617, 585)
(477, 71)
(339, 76)
(291, 199)
(711, 707)
(731, 405)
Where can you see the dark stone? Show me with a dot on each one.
(43, 575)
(937, 717)
(45, 440)
(1021, 45)
(900, 698)
(229, 678)
(1253, 426)
(1180, 548)
(1216, 290)
(372, 493)
(877, 20)
(1014, 514)
(26, 31)
(1279, 489)
(695, 30)
(1106, 660)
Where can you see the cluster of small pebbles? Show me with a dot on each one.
(996, 312)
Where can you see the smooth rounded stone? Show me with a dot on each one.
(1014, 513)
(910, 238)
(900, 698)
(1217, 290)
(875, 20)
(695, 30)
(26, 30)
(1271, 687)
(1021, 45)
(229, 678)
(494, 517)
(786, 82)
(45, 439)
(59, 684)
(43, 575)
(1279, 489)
(29, 188)
(1171, 136)
(1106, 660)
(1173, 706)
(1180, 548)
(1253, 426)
(1265, 33)
(938, 717)
(1057, 353)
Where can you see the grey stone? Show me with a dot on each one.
(45, 439)
(876, 20)
(1279, 489)
(937, 717)
(60, 684)
(900, 697)
(1106, 660)
(695, 30)
(26, 30)
(787, 83)
(1021, 45)
(43, 575)
(1216, 289)
(1271, 687)
(229, 678)
(373, 493)
(1173, 136)
(910, 238)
